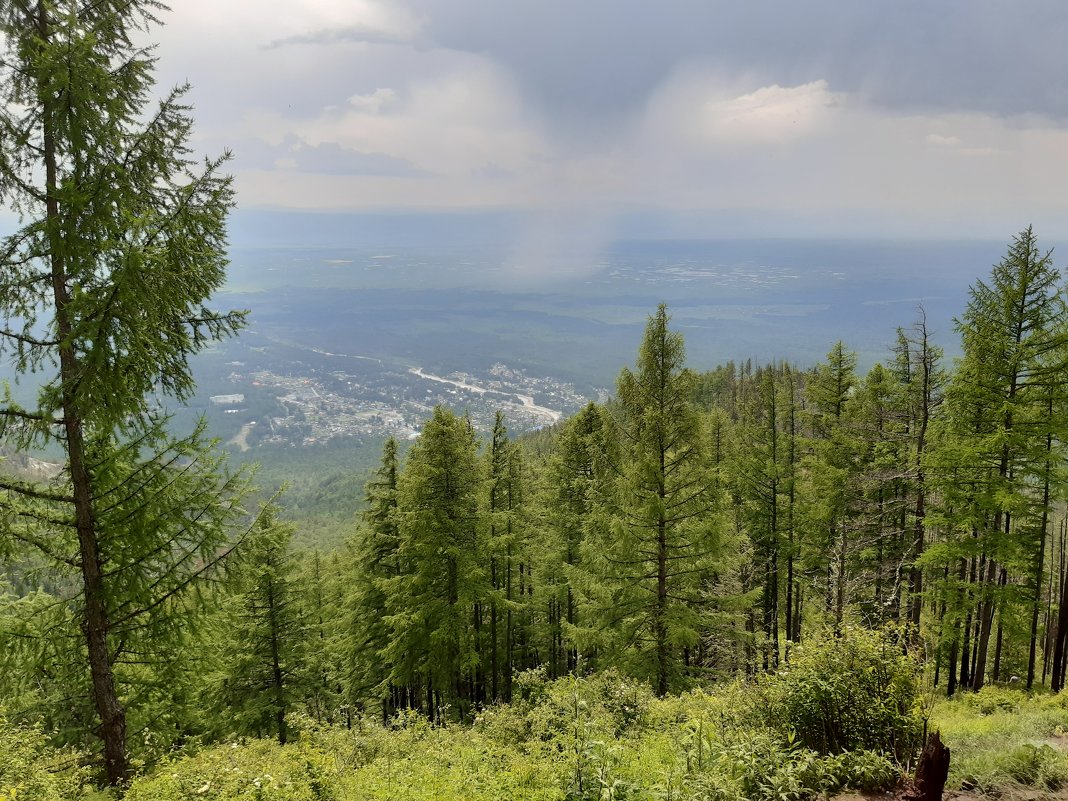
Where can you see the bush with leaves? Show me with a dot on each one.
(1002, 739)
(991, 699)
(31, 769)
(759, 765)
(856, 691)
(248, 771)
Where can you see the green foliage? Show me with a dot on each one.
(854, 691)
(104, 292)
(604, 737)
(1001, 739)
(757, 765)
(31, 770)
(375, 562)
(256, 770)
(613, 739)
(263, 643)
(1035, 766)
(442, 574)
(1002, 434)
(655, 539)
(991, 699)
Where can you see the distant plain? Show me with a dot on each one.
(467, 307)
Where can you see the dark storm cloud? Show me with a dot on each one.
(602, 58)
(799, 115)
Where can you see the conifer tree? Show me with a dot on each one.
(829, 474)
(376, 562)
(1014, 334)
(922, 380)
(266, 635)
(432, 601)
(655, 542)
(322, 579)
(508, 642)
(103, 292)
(763, 466)
(571, 476)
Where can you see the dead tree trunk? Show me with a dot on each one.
(931, 772)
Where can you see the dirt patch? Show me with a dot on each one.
(241, 438)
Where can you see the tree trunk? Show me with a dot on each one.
(660, 624)
(1040, 553)
(931, 772)
(987, 625)
(95, 622)
(1062, 635)
(277, 682)
(494, 645)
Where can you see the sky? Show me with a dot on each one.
(763, 117)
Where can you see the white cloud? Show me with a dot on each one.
(705, 109)
(372, 102)
(943, 141)
(768, 114)
(450, 123)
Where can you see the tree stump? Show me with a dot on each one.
(931, 771)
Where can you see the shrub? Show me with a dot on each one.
(254, 771)
(30, 769)
(991, 699)
(859, 770)
(857, 691)
(761, 766)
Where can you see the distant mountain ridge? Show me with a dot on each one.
(27, 468)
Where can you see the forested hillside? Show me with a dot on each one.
(752, 582)
(697, 526)
(694, 529)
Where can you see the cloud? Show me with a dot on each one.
(909, 115)
(770, 113)
(703, 144)
(293, 154)
(492, 172)
(333, 22)
(349, 33)
(451, 122)
(603, 58)
(373, 102)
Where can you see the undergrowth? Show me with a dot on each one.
(607, 738)
(1003, 739)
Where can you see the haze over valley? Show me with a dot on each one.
(362, 342)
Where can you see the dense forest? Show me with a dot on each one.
(698, 530)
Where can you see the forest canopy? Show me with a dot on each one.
(747, 530)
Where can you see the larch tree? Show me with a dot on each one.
(655, 542)
(571, 475)
(829, 475)
(268, 626)
(762, 471)
(376, 562)
(432, 601)
(1014, 335)
(918, 367)
(104, 291)
(505, 636)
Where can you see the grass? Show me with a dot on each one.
(1004, 742)
(606, 738)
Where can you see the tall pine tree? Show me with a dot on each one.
(655, 542)
(103, 293)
